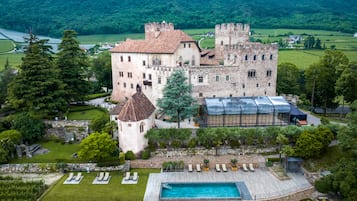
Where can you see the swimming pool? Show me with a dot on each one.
(199, 191)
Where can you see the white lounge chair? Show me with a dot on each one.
(245, 167)
(190, 168)
(198, 167)
(127, 176)
(70, 176)
(78, 177)
(251, 167)
(135, 176)
(106, 176)
(224, 167)
(218, 169)
(101, 176)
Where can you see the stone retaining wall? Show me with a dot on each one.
(296, 196)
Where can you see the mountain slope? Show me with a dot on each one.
(51, 17)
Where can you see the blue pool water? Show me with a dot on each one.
(199, 190)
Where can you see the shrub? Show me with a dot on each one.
(108, 163)
(121, 158)
(192, 143)
(145, 154)
(176, 144)
(129, 155)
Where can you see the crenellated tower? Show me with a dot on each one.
(153, 30)
(230, 34)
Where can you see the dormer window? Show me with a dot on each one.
(156, 60)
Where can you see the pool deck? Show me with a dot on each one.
(261, 183)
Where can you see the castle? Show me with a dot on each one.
(140, 68)
(236, 67)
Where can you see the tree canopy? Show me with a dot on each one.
(177, 101)
(97, 147)
(6, 76)
(102, 68)
(37, 88)
(72, 62)
(287, 79)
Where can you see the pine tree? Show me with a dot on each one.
(177, 101)
(6, 76)
(37, 88)
(72, 63)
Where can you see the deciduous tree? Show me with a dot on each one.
(287, 79)
(346, 84)
(177, 102)
(97, 147)
(102, 68)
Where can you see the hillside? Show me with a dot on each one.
(51, 17)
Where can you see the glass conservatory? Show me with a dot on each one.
(246, 111)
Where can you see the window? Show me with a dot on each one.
(222, 42)
(269, 84)
(268, 73)
(193, 61)
(142, 127)
(144, 63)
(189, 45)
(263, 57)
(217, 78)
(246, 57)
(214, 96)
(121, 74)
(227, 77)
(118, 83)
(124, 85)
(132, 86)
(184, 45)
(243, 86)
(255, 57)
(150, 77)
(271, 57)
(200, 79)
(159, 80)
(200, 95)
(244, 94)
(121, 58)
(251, 73)
(257, 85)
(156, 60)
(230, 95)
(129, 59)
(144, 76)
(130, 75)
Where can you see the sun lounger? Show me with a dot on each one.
(78, 177)
(251, 168)
(70, 177)
(135, 176)
(127, 176)
(101, 176)
(224, 167)
(245, 167)
(106, 176)
(218, 169)
(198, 168)
(190, 168)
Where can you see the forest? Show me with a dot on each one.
(51, 17)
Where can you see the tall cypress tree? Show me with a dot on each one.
(37, 88)
(72, 63)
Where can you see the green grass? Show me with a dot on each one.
(114, 191)
(56, 151)
(325, 162)
(109, 38)
(6, 45)
(14, 59)
(85, 113)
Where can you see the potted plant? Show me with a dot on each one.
(234, 166)
(206, 164)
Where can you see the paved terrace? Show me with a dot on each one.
(261, 183)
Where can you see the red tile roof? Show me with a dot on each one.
(166, 42)
(136, 108)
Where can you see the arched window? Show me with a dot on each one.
(255, 57)
(251, 73)
(246, 57)
(271, 57)
(268, 73)
(221, 42)
(142, 127)
(263, 57)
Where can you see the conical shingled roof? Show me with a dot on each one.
(136, 108)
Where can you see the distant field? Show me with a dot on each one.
(6, 45)
(14, 59)
(109, 38)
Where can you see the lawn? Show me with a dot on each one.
(85, 112)
(114, 191)
(14, 59)
(6, 45)
(108, 38)
(57, 151)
